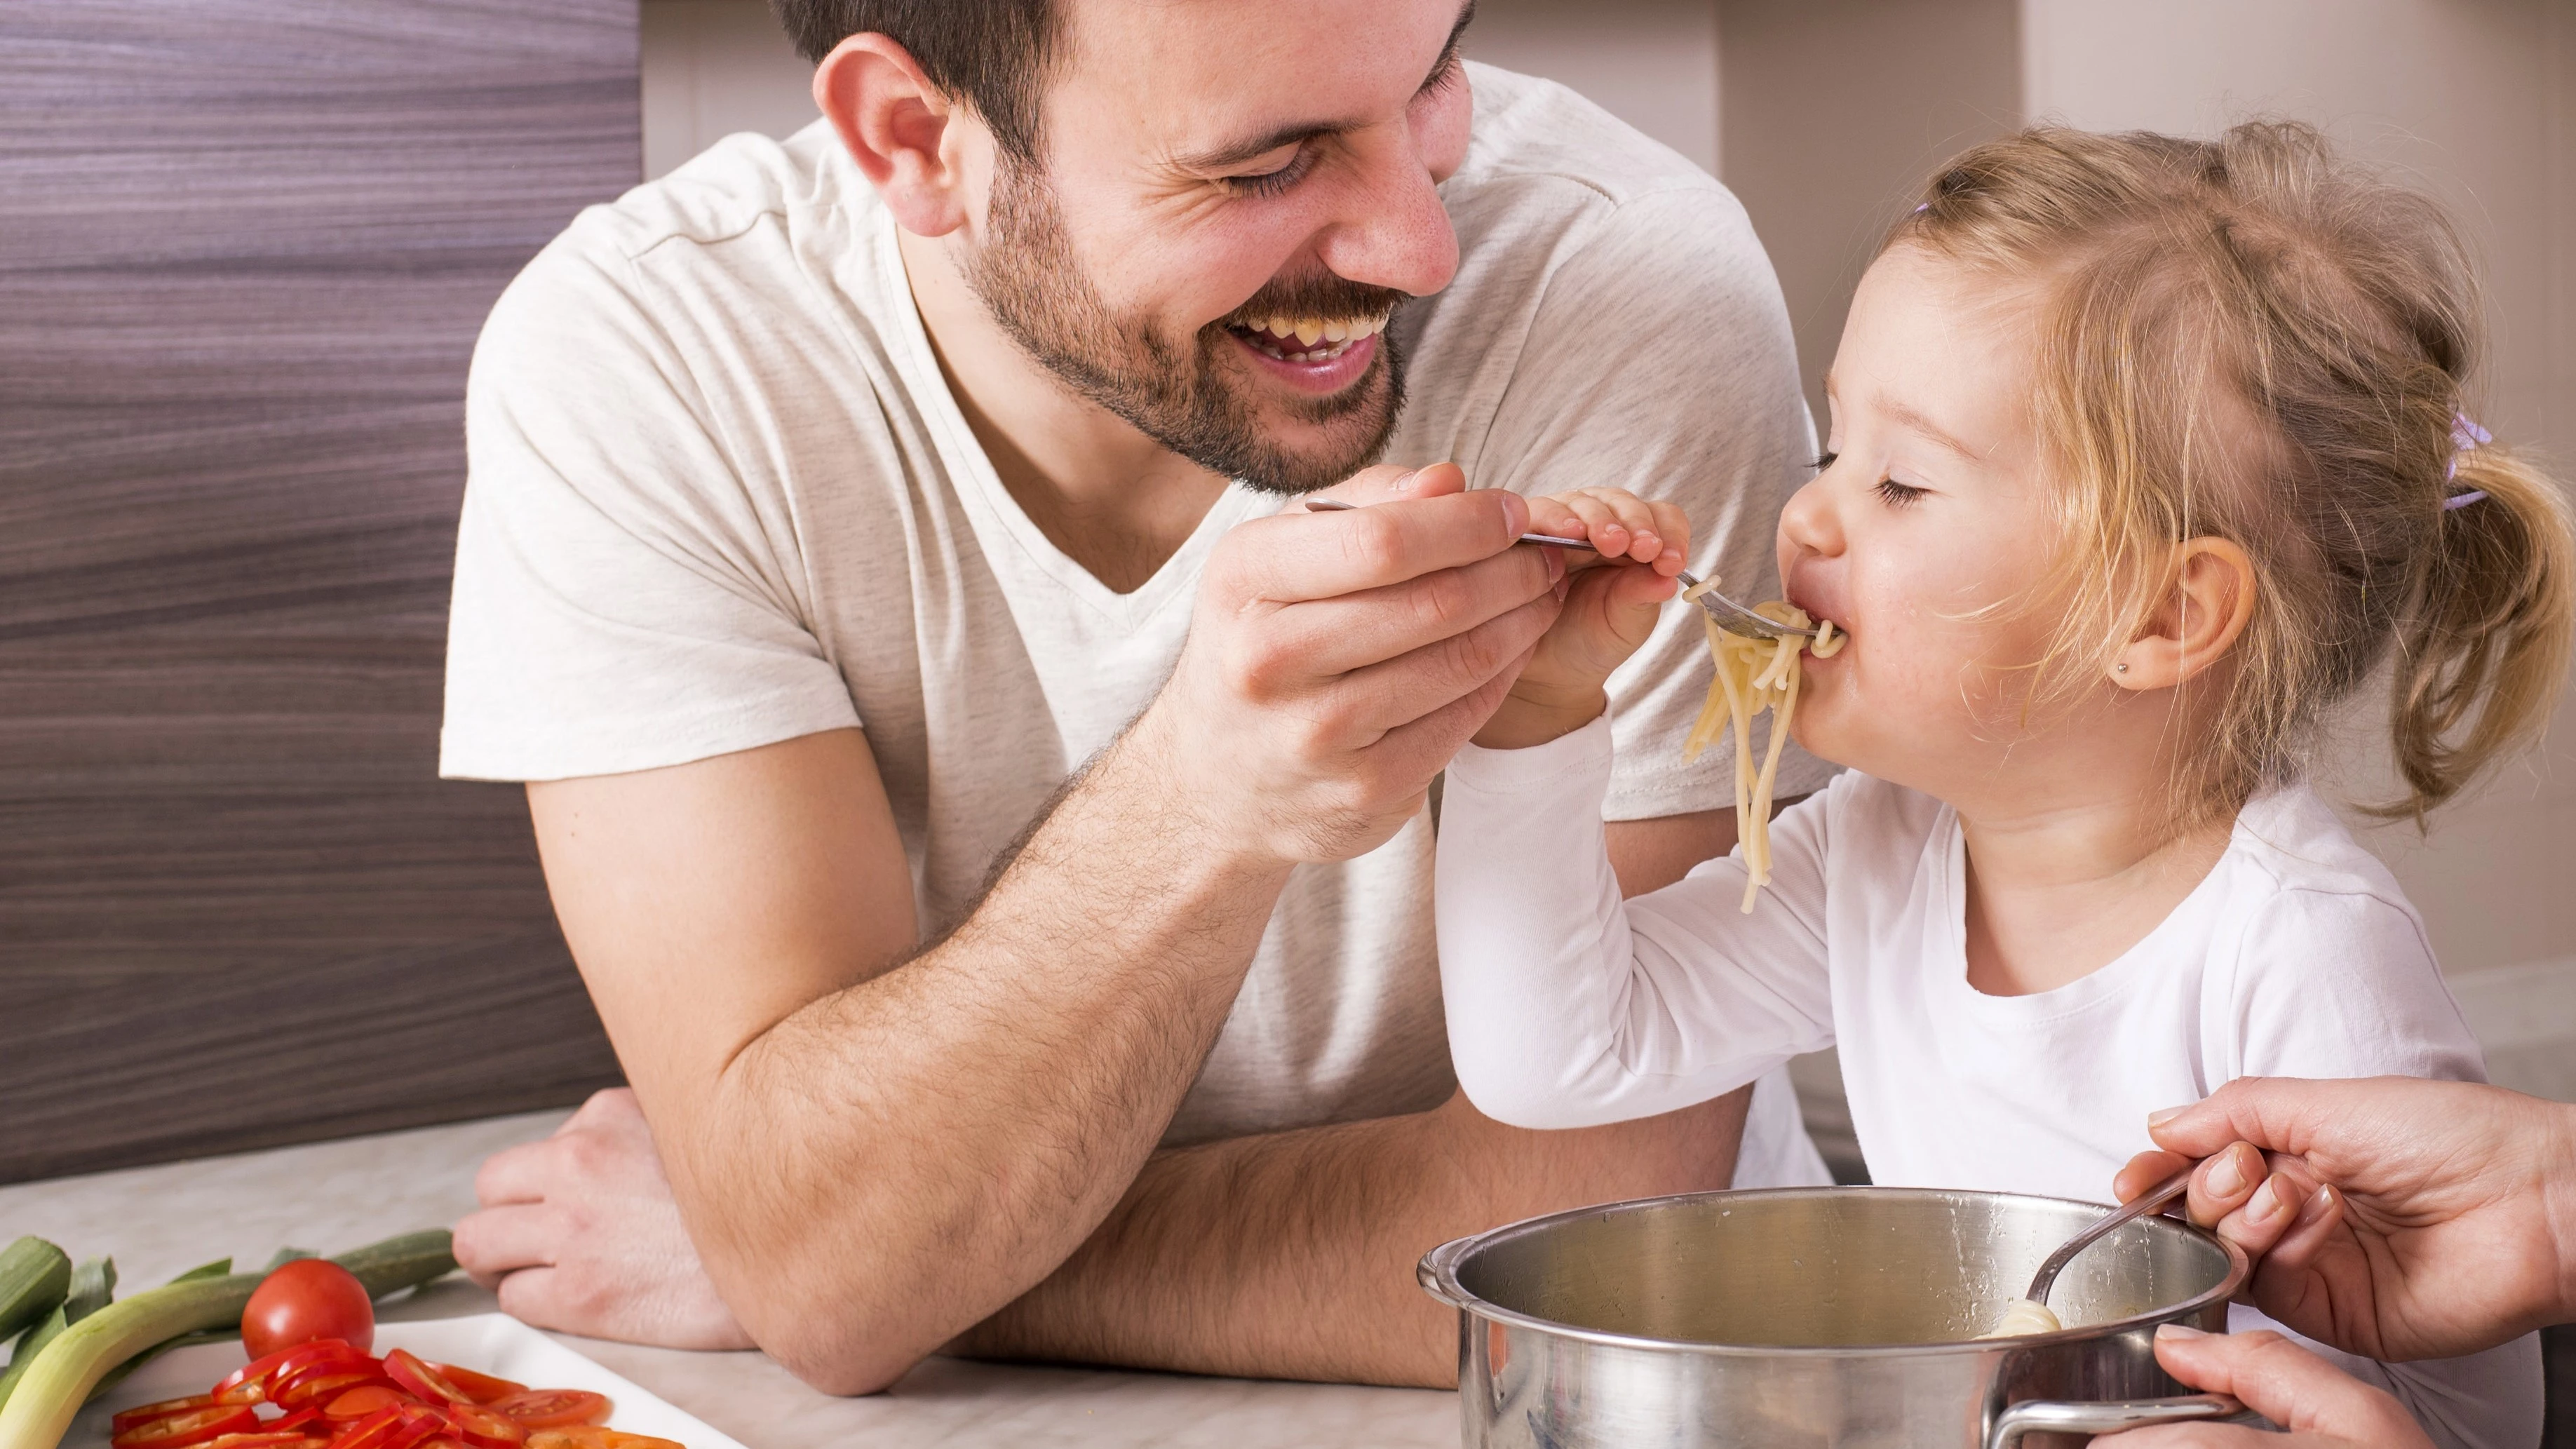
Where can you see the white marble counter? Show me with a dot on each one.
(158, 1221)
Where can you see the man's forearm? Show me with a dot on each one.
(1291, 1255)
(894, 1161)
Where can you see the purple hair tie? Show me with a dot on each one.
(2465, 434)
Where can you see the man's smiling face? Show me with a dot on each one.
(1232, 197)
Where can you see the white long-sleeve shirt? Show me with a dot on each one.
(2297, 956)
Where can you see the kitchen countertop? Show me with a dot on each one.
(159, 1221)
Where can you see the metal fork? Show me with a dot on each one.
(1731, 616)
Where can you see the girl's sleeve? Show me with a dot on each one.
(1569, 1007)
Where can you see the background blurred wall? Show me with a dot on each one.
(1825, 114)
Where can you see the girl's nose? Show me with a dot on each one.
(1810, 524)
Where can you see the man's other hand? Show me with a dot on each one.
(2320, 1405)
(2392, 1217)
(579, 1233)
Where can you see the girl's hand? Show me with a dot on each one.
(1612, 599)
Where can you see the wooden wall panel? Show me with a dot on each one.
(245, 246)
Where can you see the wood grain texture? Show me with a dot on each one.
(245, 247)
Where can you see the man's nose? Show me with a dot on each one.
(1393, 232)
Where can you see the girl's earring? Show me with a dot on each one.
(2120, 668)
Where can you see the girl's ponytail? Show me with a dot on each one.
(2487, 644)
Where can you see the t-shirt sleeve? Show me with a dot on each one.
(1660, 360)
(1569, 1007)
(2344, 984)
(621, 601)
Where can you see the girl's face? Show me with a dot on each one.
(1924, 530)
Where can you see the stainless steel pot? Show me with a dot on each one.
(1819, 1316)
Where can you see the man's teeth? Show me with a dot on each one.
(1308, 339)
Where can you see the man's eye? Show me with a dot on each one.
(1896, 494)
(1271, 183)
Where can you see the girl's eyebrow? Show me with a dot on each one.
(1915, 419)
(1912, 417)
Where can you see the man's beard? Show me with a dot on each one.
(1181, 397)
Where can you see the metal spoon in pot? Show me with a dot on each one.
(2031, 1313)
(1731, 616)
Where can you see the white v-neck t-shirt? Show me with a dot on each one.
(2297, 956)
(720, 496)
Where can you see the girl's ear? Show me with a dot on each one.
(913, 142)
(2208, 599)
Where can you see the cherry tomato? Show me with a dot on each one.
(361, 1401)
(127, 1418)
(422, 1381)
(481, 1388)
(188, 1426)
(554, 1408)
(483, 1428)
(304, 1300)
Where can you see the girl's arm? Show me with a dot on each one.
(1569, 1007)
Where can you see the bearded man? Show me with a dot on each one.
(992, 821)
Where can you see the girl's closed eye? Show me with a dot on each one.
(1897, 495)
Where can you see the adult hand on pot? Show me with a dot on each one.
(2319, 1404)
(2391, 1217)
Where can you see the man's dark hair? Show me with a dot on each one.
(990, 54)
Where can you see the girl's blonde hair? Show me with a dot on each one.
(2201, 293)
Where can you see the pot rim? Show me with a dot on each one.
(1438, 1275)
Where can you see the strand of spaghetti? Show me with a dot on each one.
(1714, 712)
(1781, 711)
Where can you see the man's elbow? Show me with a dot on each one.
(829, 1347)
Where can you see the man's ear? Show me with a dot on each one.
(919, 148)
(2208, 599)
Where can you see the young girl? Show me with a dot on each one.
(2146, 452)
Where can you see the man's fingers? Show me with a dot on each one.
(496, 1242)
(1300, 556)
(518, 1174)
(1315, 641)
(2287, 1385)
(535, 1296)
(1421, 682)
(1388, 482)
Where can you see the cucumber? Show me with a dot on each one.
(59, 1380)
(402, 1262)
(35, 1277)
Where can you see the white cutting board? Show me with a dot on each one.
(492, 1343)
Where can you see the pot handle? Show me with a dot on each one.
(2044, 1416)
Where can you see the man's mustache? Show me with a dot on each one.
(1323, 296)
